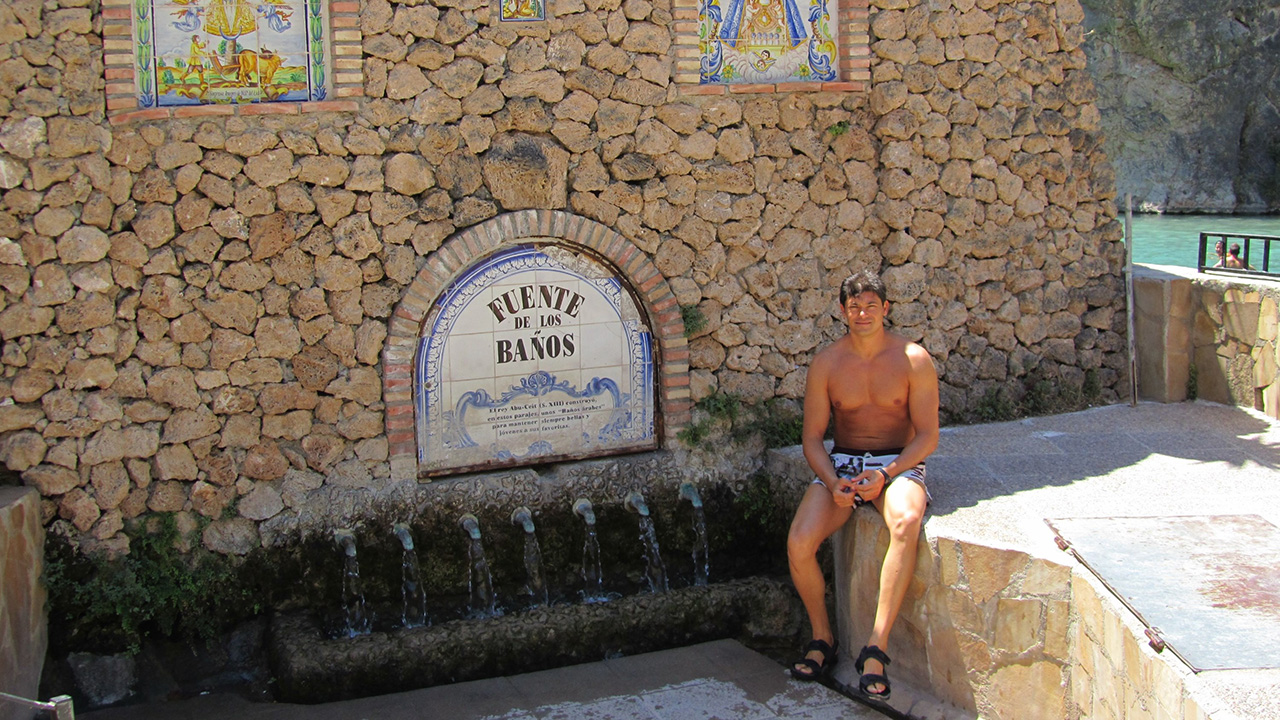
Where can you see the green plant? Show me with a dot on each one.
(995, 406)
(1042, 396)
(1092, 388)
(694, 433)
(777, 422)
(721, 405)
(110, 605)
(1193, 382)
(716, 406)
(694, 320)
(839, 128)
(759, 507)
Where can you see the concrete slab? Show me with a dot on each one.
(1209, 593)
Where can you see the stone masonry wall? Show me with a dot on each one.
(195, 309)
(1222, 329)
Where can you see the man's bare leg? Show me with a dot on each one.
(902, 505)
(816, 519)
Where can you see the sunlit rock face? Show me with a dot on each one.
(1188, 95)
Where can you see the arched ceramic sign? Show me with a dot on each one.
(537, 353)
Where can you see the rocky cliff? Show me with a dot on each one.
(1188, 93)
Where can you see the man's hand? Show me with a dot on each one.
(868, 484)
(842, 492)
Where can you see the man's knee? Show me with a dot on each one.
(801, 544)
(905, 525)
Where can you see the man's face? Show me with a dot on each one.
(865, 312)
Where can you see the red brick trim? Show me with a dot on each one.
(477, 242)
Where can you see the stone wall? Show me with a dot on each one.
(195, 309)
(1219, 330)
(982, 628)
(22, 597)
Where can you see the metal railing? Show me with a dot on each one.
(1259, 254)
(59, 707)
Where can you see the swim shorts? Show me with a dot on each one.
(850, 463)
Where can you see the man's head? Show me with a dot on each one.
(860, 282)
(863, 303)
(1235, 249)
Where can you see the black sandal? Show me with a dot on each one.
(866, 680)
(808, 669)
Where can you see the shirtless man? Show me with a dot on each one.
(882, 392)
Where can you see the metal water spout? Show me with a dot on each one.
(357, 616)
(401, 531)
(582, 507)
(690, 493)
(471, 525)
(701, 547)
(414, 608)
(592, 577)
(522, 517)
(346, 540)
(655, 570)
(537, 586)
(635, 503)
(479, 579)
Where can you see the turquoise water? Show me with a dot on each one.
(1175, 239)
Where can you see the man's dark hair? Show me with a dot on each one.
(1234, 249)
(860, 282)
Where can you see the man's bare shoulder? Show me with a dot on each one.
(831, 351)
(915, 353)
(898, 343)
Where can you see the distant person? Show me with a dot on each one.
(1233, 258)
(881, 392)
(1220, 251)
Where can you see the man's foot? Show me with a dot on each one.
(873, 684)
(818, 660)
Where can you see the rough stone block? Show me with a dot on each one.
(22, 595)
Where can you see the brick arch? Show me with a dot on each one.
(674, 405)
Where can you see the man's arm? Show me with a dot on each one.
(922, 400)
(817, 415)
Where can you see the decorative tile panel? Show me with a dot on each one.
(533, 354)
(522, 10)
(767, 41)
(219, 52)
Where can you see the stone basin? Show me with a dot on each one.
(311, 668)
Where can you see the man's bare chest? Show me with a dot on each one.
(849, 392)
